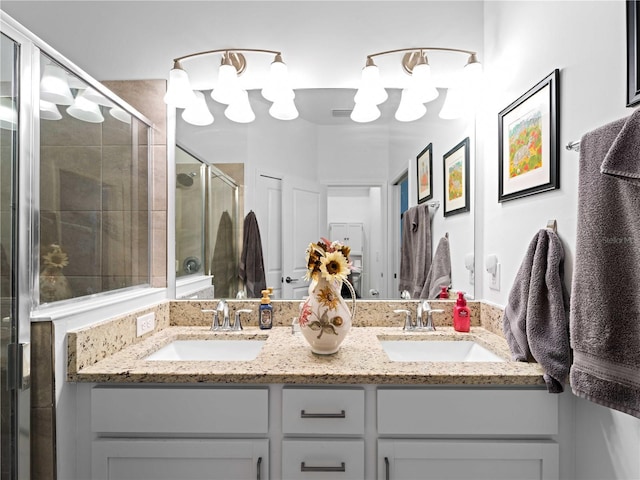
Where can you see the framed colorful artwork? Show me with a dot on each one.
(424, 162)
(528, 142)
(633, 53)
(456, 179)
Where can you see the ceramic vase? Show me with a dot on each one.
(325, 319)
(53, 285)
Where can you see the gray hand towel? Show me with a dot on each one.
(440, 271)
(536, 318)
(251, 268)
(605, 305)
(415, 254)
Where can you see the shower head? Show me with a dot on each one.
(186, 179)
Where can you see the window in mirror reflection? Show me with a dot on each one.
(94, 205)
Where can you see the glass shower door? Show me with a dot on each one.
(14, 411)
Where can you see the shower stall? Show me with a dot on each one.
(207, 226)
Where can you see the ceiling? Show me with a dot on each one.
(324, 43)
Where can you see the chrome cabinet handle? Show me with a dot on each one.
(290, 280)
(304, 414)
(341, 468)
(386, 468)
(258, 467)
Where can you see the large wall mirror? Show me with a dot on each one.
(357, 170)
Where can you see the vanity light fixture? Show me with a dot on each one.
(420, 88)
(54, 86)
(85, 109)
(228, 90)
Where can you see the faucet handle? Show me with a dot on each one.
(237, 325)
(407, 318)
(215, 325)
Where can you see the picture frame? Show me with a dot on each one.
(633, 53)
(528, 133)
(424, 164)
(456, 175)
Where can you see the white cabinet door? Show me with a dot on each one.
(141, 459)
(472, 460)
(351, 234)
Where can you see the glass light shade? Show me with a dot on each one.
(8, 114)
(120, 114)
(278, 84)
(85, 110)
(421, 85)
(365, 112)
(284, 109)
(92, 94)
(179, 91)
(54, 86)
(197, 113)
(240, 110)
(371, 89)
(228, 88)
(455, 104)
(410, 108)
(49, 111)
(472, 71)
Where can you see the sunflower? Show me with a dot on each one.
(327, 298)
(56, 258)
(334, 266)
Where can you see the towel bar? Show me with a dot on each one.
(575, 146)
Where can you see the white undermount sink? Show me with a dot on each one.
(437, 351)
(209, 350)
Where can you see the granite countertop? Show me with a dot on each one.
(287, 358)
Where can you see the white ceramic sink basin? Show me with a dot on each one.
(437, 351)
(209, 350)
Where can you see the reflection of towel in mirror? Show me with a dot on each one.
(251, 270)
(536, 318)
(415, 251)
(605, 304)
(440, 271)
(223, 262)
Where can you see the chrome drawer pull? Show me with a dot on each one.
(341, 468)
(304, 414)
(258, 468)
(386, 468)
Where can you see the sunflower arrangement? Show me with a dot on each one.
(329, 260)
(56, 258)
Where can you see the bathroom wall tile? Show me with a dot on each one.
(43, 445)
(159, 246)
(84, 285)
(159, 178)
(146, 97)
(116, 244)
(69, 131)
(62, 186)
(115, 132)
(42, 365)
(81, 241)
(143, 189)
(117, 178)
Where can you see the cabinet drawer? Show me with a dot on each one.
(179, 410)
(326, 460)
(468, 411)
(323, 411)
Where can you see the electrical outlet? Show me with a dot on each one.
(494, 280)
(145, 323)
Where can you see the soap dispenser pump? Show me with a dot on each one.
(461, 314)
(266, 310)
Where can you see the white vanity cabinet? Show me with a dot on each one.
(323, 432)
(188, 433)
(479, 434)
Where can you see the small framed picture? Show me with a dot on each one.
(528, 142)
(424, 162)
(456, 179)
(633, 53)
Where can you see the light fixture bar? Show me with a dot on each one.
(423, 49)
(226, 50)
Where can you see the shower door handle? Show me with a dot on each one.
(290, 280)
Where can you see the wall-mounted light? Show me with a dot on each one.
(228, 90)
(420, 88)
(85, 110)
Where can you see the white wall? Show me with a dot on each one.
(524, 42)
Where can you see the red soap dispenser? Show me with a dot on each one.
(444, 292)
(461, 315)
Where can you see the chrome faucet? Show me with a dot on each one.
(424, 307)
(222, 308)
(215, 325)
(407, 319)
(237, 325)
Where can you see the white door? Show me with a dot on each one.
(269, 214)
(304, 214)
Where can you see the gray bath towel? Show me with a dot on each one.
(605, 305)
(440, 271)
(251, 268)
(415, 251)
(536, 318)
